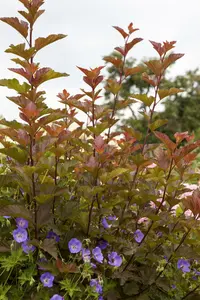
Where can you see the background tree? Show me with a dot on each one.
(182, 110)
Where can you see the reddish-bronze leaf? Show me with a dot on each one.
(158, 47)
(99, 144)
(131, 29)
(149, 79)
(20, 26)
(117, 62)
(133, 71)
(31, 18)
(155, 66)
(171, 59)
(180, 136)
(169, 45)
(66, 268)
(166, 140)
(31, 110)
(123, 33)
(120, 50)
(182, 152)
(131, 44)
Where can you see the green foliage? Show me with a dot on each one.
(69, 188)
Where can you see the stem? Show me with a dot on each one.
(90, 215)
(55, 182)
(191, 292)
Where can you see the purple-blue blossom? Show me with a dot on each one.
(102, 244)
(27, 248)
(105, 223)
(100, 298)
(22, 223)
(57, 297)
(20, 235)
(183, 265)
(86, 255)
(138, 236)
(114, 259)
(47, 279)
(53, 235)
(7, 217)
(97, 254)
(95, 283)
(75, 245)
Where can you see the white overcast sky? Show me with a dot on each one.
(89, 24)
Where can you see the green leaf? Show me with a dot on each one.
(15, 85)
(43, 198)
(15, 210)
(113, 174)
(143, 297)
(49, 245)
(43, 42)
(144, 98)
(16, 153)
(20, 50)
(158, 123)
(46, 74)
(131, 288)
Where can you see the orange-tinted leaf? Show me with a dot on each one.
(155, 66)
(169, 45)
(120, 50)
(149, 79)
(158, 47)
(117, 62)
(131, 29)
(20, 26)
(31, 110)
(31, 18)
(45, 74)
(123, 33)
(182, 152)
(43, 42)
(99, 144)
(171, 59)
(33, 4)
(166, 140)
(180, 136)
(133, 71)
(130, 45)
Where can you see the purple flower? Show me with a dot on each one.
(22, 223)
(93, 265)
(27, 248)
(53, 235)
(57, 297)
(105, 223)
(173, 286)
(184, 265)
(20, 235)
(44, 261)
(112, 218)
(86, 255)
(138, 236)
(97, 254)
(114, 259)
(74, 245)
(95, 283)
(100, 298)
(7, 217)
(102, 244)
(47, 279)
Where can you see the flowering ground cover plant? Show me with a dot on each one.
(91, 212)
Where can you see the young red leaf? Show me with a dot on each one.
(155, 66)
(171, 59)
(131, 44)
(131, 29)
(133, 71)
(31, 18)
(166, 140)
(123, 33)
(158, 47)
(117, 62)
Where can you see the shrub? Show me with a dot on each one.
(88, 212)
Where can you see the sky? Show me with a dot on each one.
(88, 25)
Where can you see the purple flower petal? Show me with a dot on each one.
(20, 235)
(114, 259)
(95, 283)
(75, 245)
(57, 297)
(27, 248)
(22, 223)
(53, 235)
(183, 265)
(97, 254)
(138, 236)
(47, 279)
(102, 244)
(86, 255)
